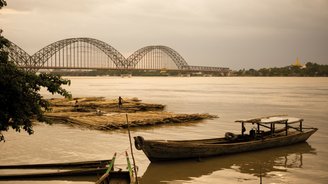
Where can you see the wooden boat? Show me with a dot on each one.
(162, 150)
(77, 172)
(67, 165)
(117, 177)
(88, 168)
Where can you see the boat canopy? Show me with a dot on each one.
(270, 123)
(271, 120)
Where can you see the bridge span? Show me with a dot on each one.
(89, 53)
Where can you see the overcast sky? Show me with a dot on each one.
(227, 33)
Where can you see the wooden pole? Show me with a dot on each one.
(286, 126)
(260, 174)
(134, 162)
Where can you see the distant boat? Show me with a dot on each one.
(162, 150)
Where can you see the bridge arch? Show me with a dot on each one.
(44, 54)
(137, 56)
(158, 56)
(18, 55)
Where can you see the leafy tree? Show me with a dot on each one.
(20, 101)
(2, 3)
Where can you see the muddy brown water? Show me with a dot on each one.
(230, 98)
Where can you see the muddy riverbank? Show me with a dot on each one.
(104, 114)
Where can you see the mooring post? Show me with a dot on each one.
(134, 162)
(286, 126)
(260, 174)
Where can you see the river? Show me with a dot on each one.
(230, 98)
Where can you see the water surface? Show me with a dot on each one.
(230, 98)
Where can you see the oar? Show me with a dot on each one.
(129, 165)
(104, 176)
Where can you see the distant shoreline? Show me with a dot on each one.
(307, 70)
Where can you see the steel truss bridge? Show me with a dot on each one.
(89, 53)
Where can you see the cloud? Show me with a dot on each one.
(8, 11)
(261, 33)
(53, 6)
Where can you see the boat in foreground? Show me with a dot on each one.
(274, 136)
(55, 174)
(103, 168)
(66, 165)
(87, 168)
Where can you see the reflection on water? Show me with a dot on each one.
(253, 163)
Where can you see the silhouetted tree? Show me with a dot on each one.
(2, 3)
(20, 101)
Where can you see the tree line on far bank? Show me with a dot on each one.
(308, 70)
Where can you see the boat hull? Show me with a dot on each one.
(173, 150)
(68, 165)
(116, 177)
(78, 172)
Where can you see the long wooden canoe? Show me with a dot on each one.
(86, 168)
(77, 172)
(162, 150)
(66, 165)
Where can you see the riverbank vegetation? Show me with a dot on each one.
(308, 70)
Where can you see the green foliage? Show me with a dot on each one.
(2, 3)
(20, 101)
(310, 70)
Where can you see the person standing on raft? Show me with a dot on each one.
(120, 102)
